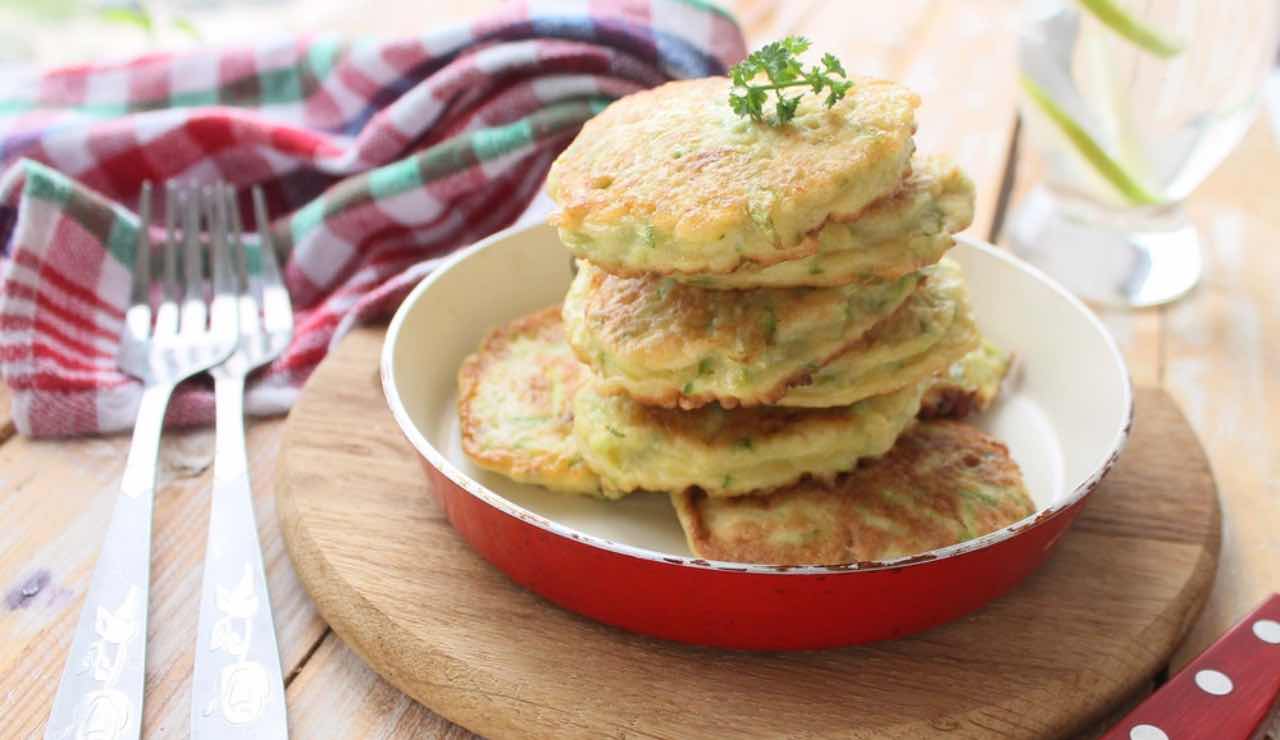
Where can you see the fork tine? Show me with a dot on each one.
(224, 311)
(277, 310)
(142, 255)
(250, 321)
(167, 312)
(215, 219)
(138, 317)
(236, 238)
(224, 280)
(195, 312)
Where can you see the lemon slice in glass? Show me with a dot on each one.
(1117, 19)
(1106, 166)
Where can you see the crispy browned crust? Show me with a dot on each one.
(619, 168)
(753, 422)
(904, 190)
(806, 247)
(954, 400)
(950, 402)
(619, 296)
(877, 332)
(801, 378)
(544, 323)
(521, 465)
(676, 399)
(931, 476)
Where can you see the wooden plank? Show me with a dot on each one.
(763, 20)
(6, 413)
(1222, 355)
(62, 493)
(973, 123)
(338, 696)
(1216, 352)
(1140, 336)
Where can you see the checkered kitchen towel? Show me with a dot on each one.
(377, 158)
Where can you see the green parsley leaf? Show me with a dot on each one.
(780, 66)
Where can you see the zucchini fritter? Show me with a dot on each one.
(515, 403)
(943, 482)
(671, 180)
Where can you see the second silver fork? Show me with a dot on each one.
(101, 690)
(237, 687)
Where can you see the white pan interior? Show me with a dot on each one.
(1064, 412)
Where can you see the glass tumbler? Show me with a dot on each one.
(1132, 103)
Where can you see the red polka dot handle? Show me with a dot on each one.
(1229, 692)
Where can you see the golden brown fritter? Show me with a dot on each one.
(668, 344)
(731, 452)
(899, 233)
(943, 482)
(968, 386)
(671, 180)
(928, 332)
(515, 403)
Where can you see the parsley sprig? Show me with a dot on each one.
(780, 64)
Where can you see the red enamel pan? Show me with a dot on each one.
(1065, 416)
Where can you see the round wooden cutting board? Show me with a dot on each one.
(1082, 635)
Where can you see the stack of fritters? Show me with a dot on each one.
(759, 313)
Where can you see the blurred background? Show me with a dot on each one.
(1215, 351)
(60, 32)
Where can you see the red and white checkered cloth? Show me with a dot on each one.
(377, 158)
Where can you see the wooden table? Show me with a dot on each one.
(1216, 352)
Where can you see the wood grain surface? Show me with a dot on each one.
(1216, 352)
(60, 494)
(403, 590)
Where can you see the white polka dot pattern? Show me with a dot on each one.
(1267, 630)
(1214, 682)
(1147, 732)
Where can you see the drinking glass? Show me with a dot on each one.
(1132, 104)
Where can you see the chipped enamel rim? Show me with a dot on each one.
(441, 463)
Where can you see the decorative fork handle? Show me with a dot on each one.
(100, 694)
(237, 688)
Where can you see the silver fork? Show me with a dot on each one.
(237, 689)
(100, 694)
